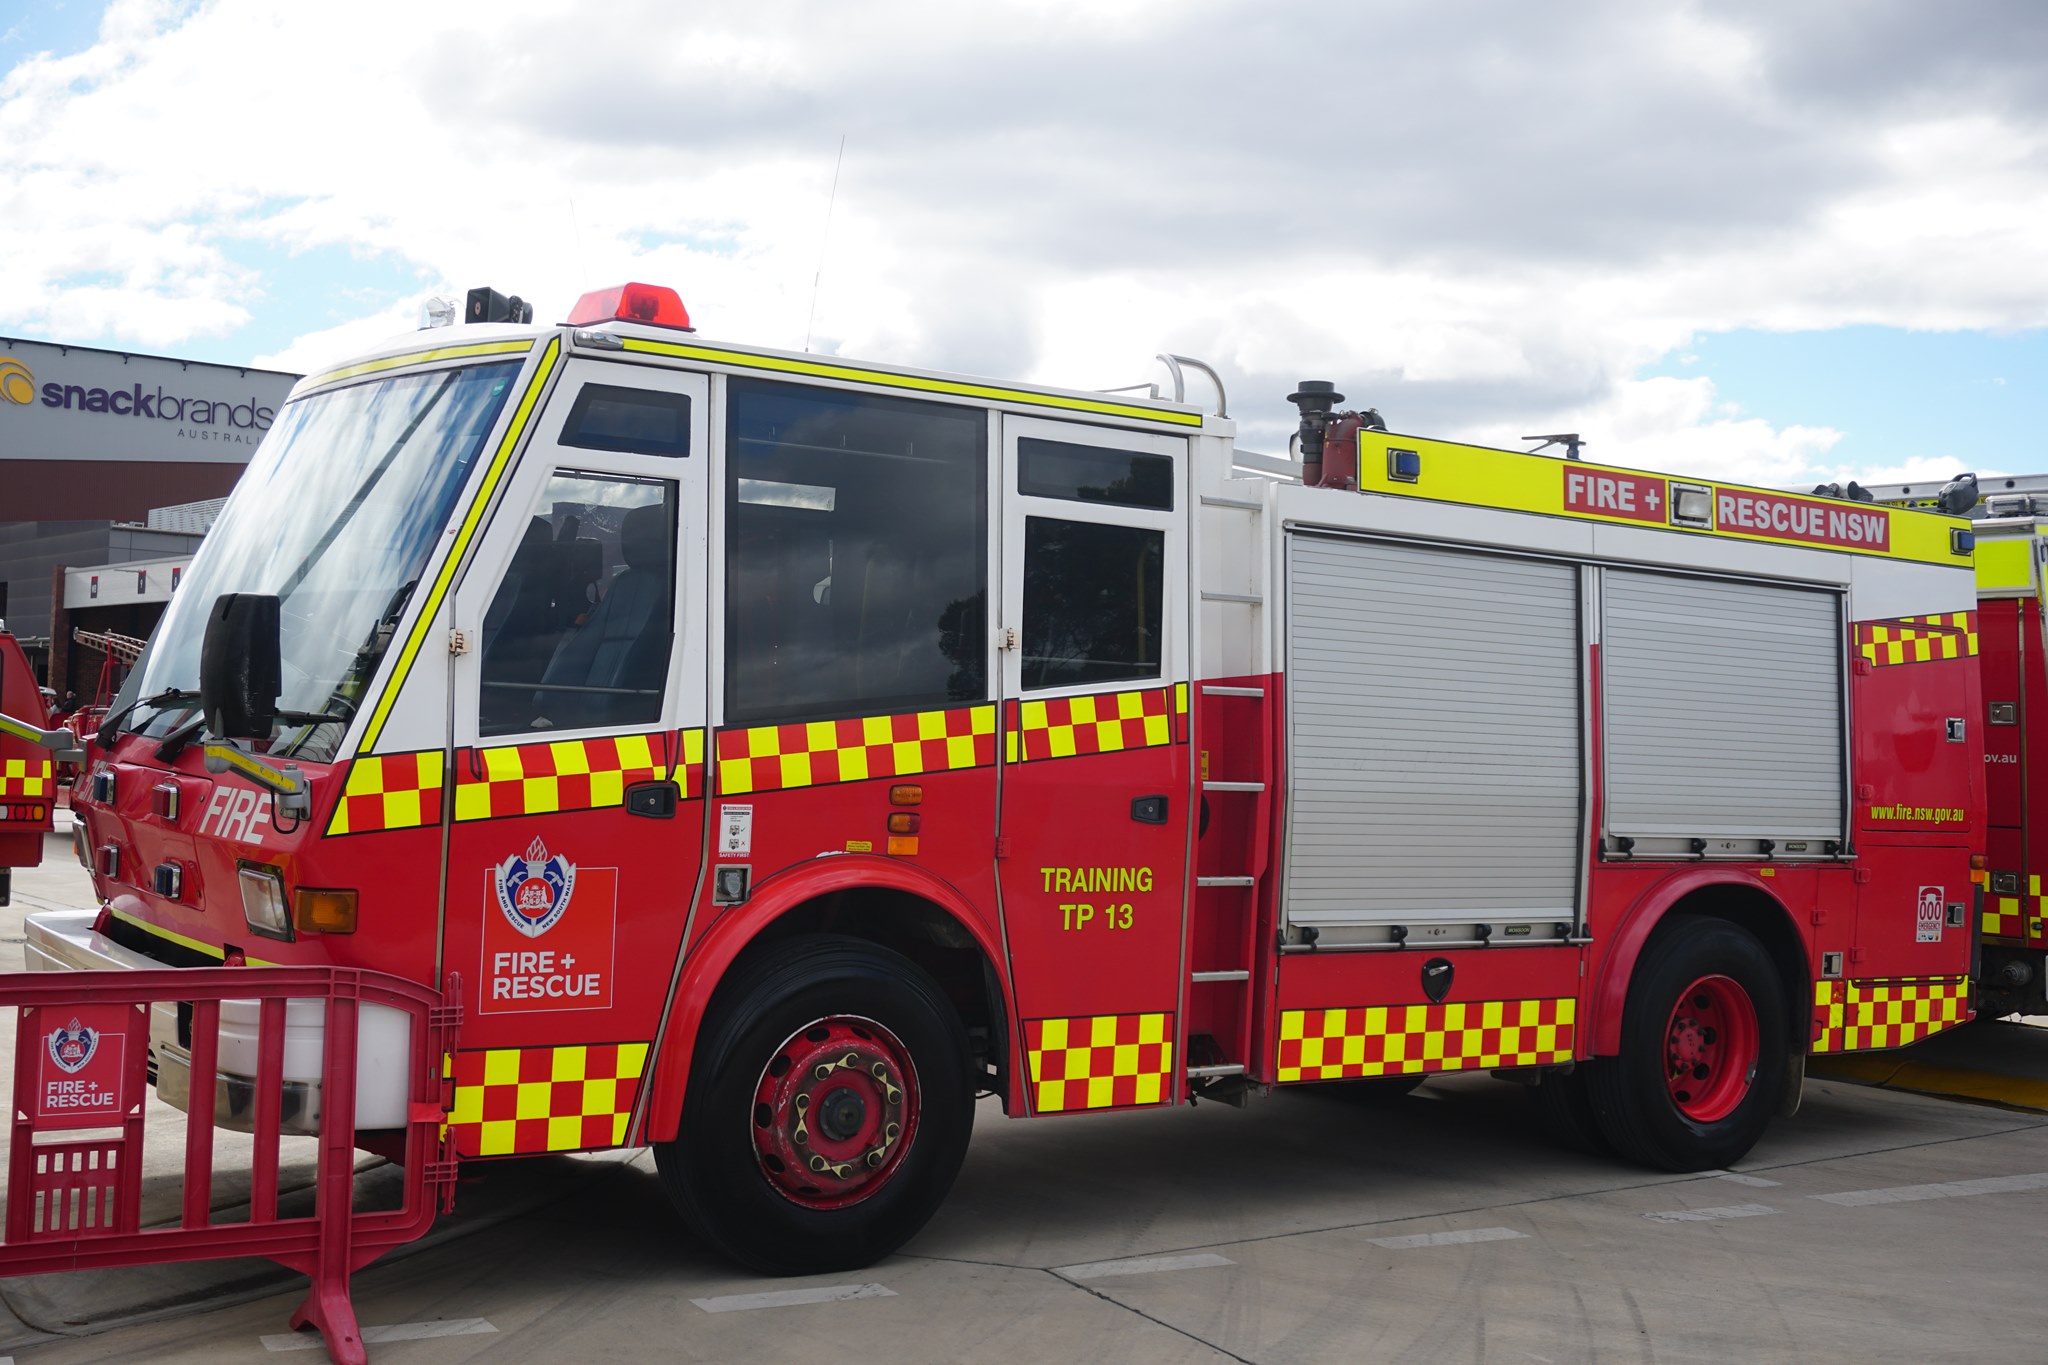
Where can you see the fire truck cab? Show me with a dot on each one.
(775, 751)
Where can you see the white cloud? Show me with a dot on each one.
(1483, 230)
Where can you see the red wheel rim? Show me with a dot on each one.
(1710, 1048)
(834, 1112)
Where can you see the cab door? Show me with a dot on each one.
(578, 765)
(1096, 791)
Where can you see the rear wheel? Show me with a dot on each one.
(828, 1111)
(1703, 1046)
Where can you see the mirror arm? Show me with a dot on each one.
(62, 744)
(287, 785)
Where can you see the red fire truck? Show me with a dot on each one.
(2010, 520)
(777, 751)
(28, 783)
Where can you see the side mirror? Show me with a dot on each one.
(240, 666)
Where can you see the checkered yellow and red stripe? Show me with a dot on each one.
(781, 757)
(1853, 1016)
(1397, 1040)
(1918, 639)
(403, 791)
(1107, 1061)
(511, 1101)
(25, 777)
(1106, 722)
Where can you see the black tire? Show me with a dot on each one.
(1564, 1110)
(1633, 1102)
(712, 1170)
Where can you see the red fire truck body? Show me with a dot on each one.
(779, 750)
(28, 783)
(2010, 533)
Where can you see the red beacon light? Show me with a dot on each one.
(649, 303)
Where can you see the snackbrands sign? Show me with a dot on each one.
(154, 402)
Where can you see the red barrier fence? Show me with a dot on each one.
(81, 1066)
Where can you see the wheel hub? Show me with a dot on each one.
(834, 1111)
(1710, 1048)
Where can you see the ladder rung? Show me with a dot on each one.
(1245, 504)
(1223, 881)
(1196, 1073)
(1238, 975)
(1233, 786)
(1220, 690)
(1248, 598)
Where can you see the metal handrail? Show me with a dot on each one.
(1180, 387)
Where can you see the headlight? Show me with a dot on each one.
(263, 904)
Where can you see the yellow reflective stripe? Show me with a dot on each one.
(429, 357)
(482, 500)
(916, 383)
(174, 936)
(11, 726)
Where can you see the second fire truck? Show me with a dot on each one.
(779, 750)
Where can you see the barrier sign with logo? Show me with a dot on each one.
(81, 1065)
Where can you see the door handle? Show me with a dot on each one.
(1149, 810)
(655, 800)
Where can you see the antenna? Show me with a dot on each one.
(823, 238)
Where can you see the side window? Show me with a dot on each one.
(1092, 602)
(856, 554)
(1121, 478)
(643, 421)
(579, 632)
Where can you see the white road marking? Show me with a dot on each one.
(1141, 1265)
(790, 1298)
(1710, 1215)
(1445, 1239)
(397, 1331)
(1951, 1189)
(1756, 1181)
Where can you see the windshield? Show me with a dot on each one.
(336, 515)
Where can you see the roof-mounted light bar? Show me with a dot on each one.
(651, 304)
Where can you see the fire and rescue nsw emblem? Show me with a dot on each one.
(72, 1046)
(534, 891)
(535, 954)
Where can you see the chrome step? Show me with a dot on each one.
(1233, 786)
(1238, 975)
(1224, 690)
(1224, 881)
(1200, 1073)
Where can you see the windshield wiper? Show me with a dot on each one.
(174, 743)
(110, 728)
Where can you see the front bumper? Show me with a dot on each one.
(64, 940)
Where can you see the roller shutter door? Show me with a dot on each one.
(1723, 708)
(1434, 759)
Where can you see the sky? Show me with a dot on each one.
(1770, 242)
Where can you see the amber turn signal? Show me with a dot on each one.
(906, 794)
(326, 912)
(1980, 860)
(903, 822)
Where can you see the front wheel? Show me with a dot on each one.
(828, 1111)
(1703, 1050)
